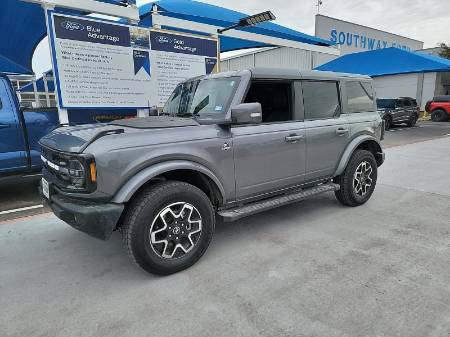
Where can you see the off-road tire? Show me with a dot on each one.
(412, 121)
(387, 123)
(439, 115)
(346, 194)
(146, 207)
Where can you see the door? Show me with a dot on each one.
(12, 145)
(269, 156)
(327, 131)
(400, 112)
(410, 107)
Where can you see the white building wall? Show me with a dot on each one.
(421, 86)
(240, 63)
(429, 88)
(282, 57)
(321, 58)
(393, 86)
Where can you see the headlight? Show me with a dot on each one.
(75, 173)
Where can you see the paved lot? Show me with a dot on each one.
(402, 135)
(311, 269)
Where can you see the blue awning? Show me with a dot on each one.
(10, 67)
(389, 61)
(200, 12)
(23, 27)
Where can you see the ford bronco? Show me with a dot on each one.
(226, 146)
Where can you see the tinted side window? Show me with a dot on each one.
(320, 99)
(359, 96)
(275, 99)
(407, 102)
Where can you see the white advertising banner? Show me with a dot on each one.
(179, 57)
(102, 64)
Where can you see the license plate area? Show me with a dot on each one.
(45, 188)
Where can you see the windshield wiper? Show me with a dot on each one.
(200, 106)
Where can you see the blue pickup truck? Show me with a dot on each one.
(20, 131)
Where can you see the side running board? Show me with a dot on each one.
(234, 214)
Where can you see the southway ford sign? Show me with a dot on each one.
(355, 38)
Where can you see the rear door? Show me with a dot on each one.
(401, 112)
(12, 145)
(409, 108)
(327, 130)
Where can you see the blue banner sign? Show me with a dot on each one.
(75, 29)
(141, 61)
(183, 44)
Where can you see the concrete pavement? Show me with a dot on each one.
(311, 269)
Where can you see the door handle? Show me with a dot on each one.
(4, 126)
(341, 131)
(294, 138)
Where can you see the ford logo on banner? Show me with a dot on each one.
(71, 25)
(164, 39)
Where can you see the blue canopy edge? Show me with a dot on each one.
(388, 61)
(24, 27)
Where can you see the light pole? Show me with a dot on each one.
(319, 3)
(251, 21)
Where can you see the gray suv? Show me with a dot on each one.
(226, 146)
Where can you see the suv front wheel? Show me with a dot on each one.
(358, 180)
(168, 227)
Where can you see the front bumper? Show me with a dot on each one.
(96, 219)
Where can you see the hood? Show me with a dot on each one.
(75, 139)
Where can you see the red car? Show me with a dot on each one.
(439, 108)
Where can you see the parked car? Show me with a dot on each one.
(439, 108)
(232, 145)
(20, 131)
(398, 110)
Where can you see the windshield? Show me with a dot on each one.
(208, 97)
(386, 103)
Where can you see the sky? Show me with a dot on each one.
(424, 20)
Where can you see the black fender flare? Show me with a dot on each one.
(372, 143)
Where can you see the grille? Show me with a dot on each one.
(59, 169)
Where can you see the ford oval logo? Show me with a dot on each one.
(71, 25)
(163, 39)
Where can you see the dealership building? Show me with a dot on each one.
(399, 65)
(346, 37)
(398, 73)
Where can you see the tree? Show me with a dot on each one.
(445, 50)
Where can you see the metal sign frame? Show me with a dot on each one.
(130, 12)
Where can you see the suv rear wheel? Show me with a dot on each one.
(358, 180)
(387, 122)
(168, 227)
(438, 115)
(412, 120)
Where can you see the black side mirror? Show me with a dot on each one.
(246, 113)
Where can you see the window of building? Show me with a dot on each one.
(320, 99)
(275, 99)
(359, 96)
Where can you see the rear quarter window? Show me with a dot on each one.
(320, 99)
(359, 96)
